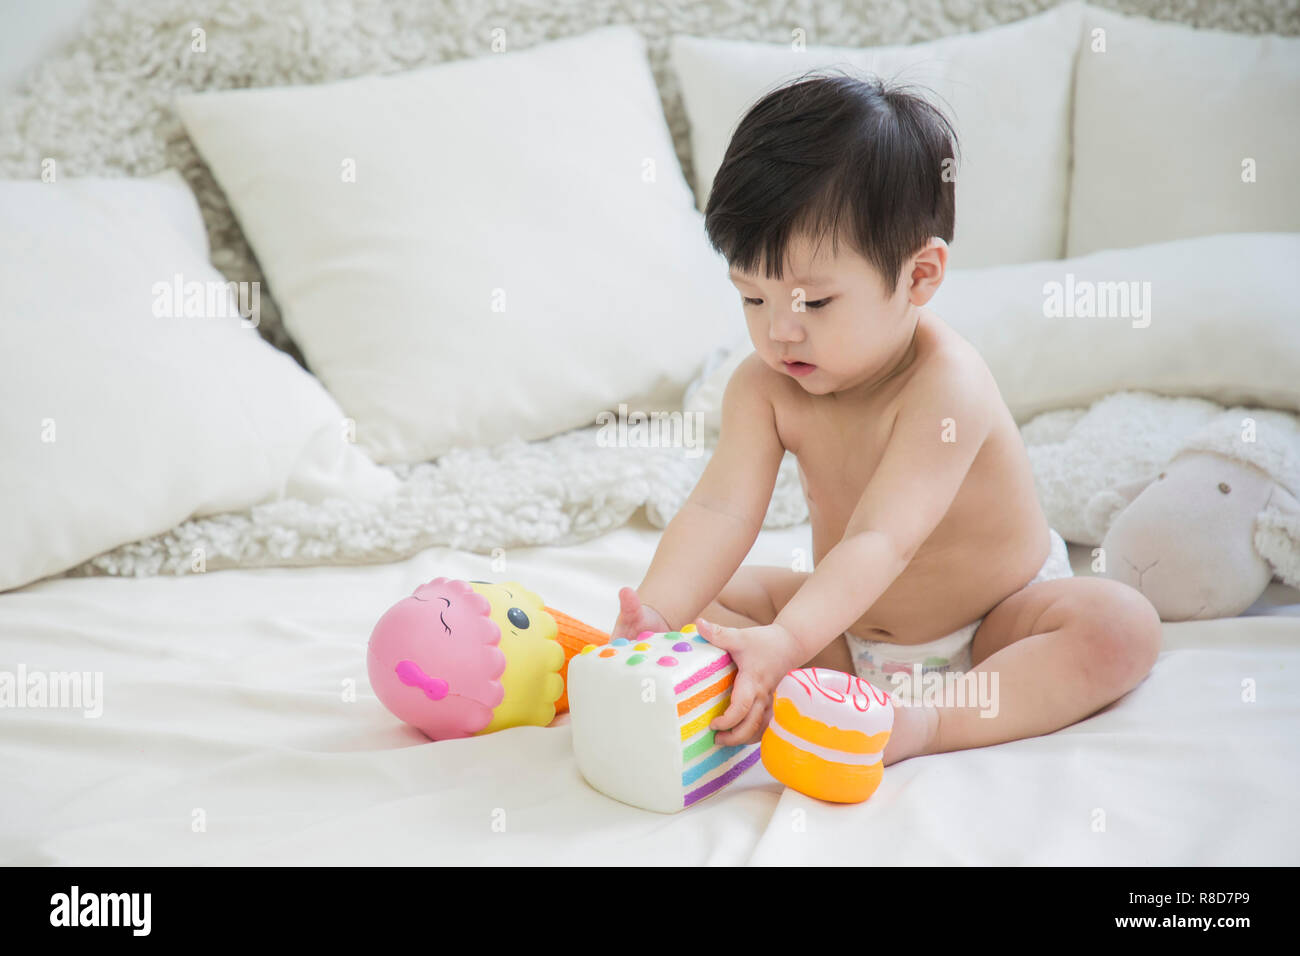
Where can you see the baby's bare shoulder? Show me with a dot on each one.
(753, 372)
(948, 367)
(755, 380)
(748, 400)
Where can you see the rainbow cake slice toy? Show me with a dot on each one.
(640, 713)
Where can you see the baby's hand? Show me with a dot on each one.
(635, 617)
(763, 655)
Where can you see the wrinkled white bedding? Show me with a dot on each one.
(223, 703)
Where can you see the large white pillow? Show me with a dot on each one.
(1219, 322)
(124, 409)
(1170, 122)
(1222, 325)
(1007, 90)
(544, 180)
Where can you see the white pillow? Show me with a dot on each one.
(544, 178)
(1222, 326)
(116, 422)
(1007, 91)
(1164, 120)
(1219, 323)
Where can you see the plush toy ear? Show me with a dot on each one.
(1277, 535)
(1105, 505)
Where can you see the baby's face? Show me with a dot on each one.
(848, 332)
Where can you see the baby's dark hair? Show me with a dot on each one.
(825, 148)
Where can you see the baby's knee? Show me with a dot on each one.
(1136, 619)
(1123, 630)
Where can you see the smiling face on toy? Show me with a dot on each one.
(532, 678)
(459, 658)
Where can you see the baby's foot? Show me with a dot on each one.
(913, 735)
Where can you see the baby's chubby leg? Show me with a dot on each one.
(1061, 649)
(756, 594)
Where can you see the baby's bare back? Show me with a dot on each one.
(990, 543)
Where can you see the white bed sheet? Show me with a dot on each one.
(223, 693)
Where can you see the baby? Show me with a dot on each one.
(930, 549)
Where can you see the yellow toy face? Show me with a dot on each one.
(534, 657)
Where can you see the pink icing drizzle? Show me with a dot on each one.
(857, 691)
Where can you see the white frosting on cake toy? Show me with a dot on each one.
(640, 713)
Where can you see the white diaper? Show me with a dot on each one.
(877, 661)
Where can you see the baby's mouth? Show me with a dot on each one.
(797, 366)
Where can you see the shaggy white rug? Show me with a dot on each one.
(563, 490)
(101, 107)
(570, 488)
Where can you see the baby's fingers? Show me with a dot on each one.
(742, 697)
(751, 728)
(716, 634)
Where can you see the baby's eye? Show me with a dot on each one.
(820, 303)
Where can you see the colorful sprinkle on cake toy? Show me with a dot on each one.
(640, 713)
(459, 658)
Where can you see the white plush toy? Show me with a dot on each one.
(1204, 535)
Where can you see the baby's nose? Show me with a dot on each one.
(786, 327)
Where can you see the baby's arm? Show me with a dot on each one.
(711, 535)
(910, 491)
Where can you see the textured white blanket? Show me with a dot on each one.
(238, 727)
